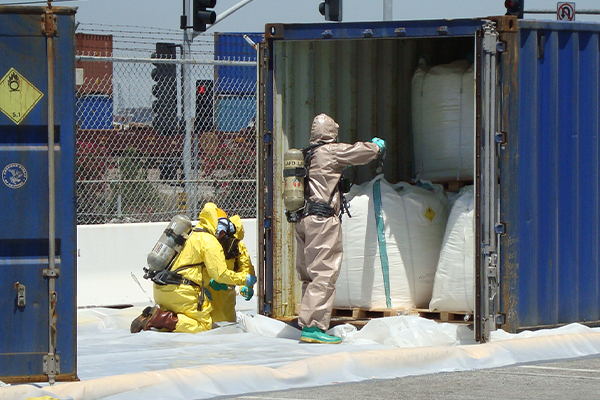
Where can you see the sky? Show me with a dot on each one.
(165, 14)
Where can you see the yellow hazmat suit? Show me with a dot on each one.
(223, 301)
(203, 256)
(319, 239)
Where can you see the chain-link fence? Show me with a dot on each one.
(161, 135)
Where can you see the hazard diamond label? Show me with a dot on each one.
(430, 214)
(17, 96)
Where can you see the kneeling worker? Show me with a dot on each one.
(186, 307)
(230, 233)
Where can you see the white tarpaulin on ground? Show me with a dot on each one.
(261, 354)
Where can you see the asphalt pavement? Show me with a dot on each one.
(565, 380)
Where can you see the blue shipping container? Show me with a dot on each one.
(95, 112)
(235, 113)
(537, 107)
(37, 288)
(232, 79)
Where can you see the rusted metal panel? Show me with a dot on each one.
(97, 76)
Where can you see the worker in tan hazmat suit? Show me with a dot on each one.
(319, 232)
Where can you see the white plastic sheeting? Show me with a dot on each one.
(415, 220)
(454, 285)
(443, 117)
(260, 354)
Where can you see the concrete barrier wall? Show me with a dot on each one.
(111, 258)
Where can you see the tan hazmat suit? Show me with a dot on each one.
(319, 239)
(223, 301)
(203, 255)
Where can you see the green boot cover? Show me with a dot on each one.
(316, 335)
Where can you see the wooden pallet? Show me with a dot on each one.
(443, 316)
(366, 313)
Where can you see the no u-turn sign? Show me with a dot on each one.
(565, 11)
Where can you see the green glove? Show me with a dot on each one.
(247, 292)
(216, 286)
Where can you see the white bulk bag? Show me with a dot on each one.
(453, 289)
(414, 220)
(443, 117)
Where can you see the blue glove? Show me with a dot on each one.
(379, 142)
(216, 286)
(250, 280)
(247, 292)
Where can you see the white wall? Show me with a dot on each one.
(108, 256)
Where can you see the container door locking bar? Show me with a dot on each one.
(490, 228)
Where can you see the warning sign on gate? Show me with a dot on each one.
(565, 11)
(17, 96)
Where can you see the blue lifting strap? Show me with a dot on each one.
(385, 268)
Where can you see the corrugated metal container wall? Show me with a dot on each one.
(97, 76)
(550, 179)
(235, 80)
(38, 332)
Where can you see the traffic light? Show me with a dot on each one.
(514, 7)
(331, 9)
(164, 107)
(201, 16)
(204, 106)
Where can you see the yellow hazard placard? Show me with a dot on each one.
(17, 96)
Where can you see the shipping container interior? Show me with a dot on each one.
(365, 86)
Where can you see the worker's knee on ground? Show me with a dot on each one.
(186, 324)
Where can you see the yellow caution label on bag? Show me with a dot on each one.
(430, 214)
(18, 96)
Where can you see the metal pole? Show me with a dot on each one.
(387, 10)
(190, 186)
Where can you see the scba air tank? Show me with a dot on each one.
(170, 243)
(293, 173)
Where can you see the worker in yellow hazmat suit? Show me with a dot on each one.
(238, 260)
(186, 307)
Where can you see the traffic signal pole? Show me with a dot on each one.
(190, 145)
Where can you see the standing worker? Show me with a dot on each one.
(182, 301)
(238, 260)
(319, 231)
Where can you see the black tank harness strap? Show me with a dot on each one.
(314, 207)
(168, 277)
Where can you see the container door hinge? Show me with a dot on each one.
(51, 366)
(501, 47)
(268, 137)
(500, 228)
(500, 138)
